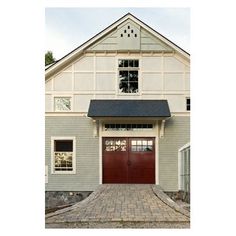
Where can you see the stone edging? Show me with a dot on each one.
(168, 201)
(119, 224)
(92, 196)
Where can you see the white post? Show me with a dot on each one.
(95, 128)
(162, 131)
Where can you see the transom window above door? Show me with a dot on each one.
(127, 127)
(128, 76)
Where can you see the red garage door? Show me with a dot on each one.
(129, 160)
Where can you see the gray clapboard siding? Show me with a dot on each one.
(87, 161)
(177, 134)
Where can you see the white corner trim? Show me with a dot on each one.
(100, 150)
(73, 157)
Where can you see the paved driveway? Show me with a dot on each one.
(121, 206)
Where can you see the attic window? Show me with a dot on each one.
(128, 76)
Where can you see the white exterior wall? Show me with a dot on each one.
(95, 76)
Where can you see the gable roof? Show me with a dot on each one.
(47, 66)
(74, 53)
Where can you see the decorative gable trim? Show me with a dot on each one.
(115, 26)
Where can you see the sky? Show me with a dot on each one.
(68, 28)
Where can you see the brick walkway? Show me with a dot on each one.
(122, 205)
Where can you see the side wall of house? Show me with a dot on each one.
(177, 134)
(87, 161)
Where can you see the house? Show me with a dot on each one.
(117, 111)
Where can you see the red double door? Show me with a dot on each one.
(129, 160)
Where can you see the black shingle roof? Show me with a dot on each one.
(129, 108)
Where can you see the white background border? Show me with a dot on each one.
(213, 108)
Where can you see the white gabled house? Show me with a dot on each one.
(117, 111)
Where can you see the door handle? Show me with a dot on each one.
(128, 163)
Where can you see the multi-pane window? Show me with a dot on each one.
(115, 145)
(188, 104)
(63, 155)
(62, 103)
(128, 127)
(128, 76)
(141, 145)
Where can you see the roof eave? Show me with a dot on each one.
(74, 53)
(80, 49)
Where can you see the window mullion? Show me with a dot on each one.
(128, 82)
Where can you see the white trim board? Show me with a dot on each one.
(80, 50)
(73, 156)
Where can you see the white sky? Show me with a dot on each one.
(68, 28)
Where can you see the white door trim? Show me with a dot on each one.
(153, 134)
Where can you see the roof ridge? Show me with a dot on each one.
(109, 26)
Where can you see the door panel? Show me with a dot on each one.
(129, 160)
(115, 157)
(141, 160)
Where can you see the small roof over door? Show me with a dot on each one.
(129, 108)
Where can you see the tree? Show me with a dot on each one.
(49, 58)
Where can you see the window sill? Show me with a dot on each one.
(62, 111)
(63, 173)
(129, 94)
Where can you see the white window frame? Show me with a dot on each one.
(73, 155)
(180, 184)
(118, 77)
(62, 96)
